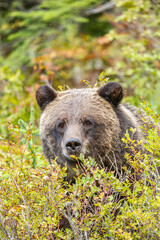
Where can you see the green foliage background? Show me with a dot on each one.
(64, 42)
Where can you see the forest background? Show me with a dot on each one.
(70, 43)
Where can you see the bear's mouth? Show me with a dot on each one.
(71, 158)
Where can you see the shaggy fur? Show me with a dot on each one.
(94, 117)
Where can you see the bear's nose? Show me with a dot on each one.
(73, 145)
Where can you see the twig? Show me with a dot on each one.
(26, 218)
(102, 8)
(2, 227)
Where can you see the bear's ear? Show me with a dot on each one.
(112, 92)
(45, 95)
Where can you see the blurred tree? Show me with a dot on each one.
(28, 26)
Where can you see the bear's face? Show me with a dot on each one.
(79, 121)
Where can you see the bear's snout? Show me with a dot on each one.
(72, 142)
(73, 146)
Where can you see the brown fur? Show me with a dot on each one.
(94, 117)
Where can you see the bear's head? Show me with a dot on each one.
(80, 121)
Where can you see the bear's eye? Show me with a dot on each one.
(87, 123)
(61, 125)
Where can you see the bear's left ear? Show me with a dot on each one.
(112, 92)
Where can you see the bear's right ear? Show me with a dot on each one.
(112, 92)
(45, 95)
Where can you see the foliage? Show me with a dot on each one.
(35, 196)
(15, 98)
(137, 40)
(62, 51)
(26, 31)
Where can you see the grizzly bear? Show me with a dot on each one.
(89, 121)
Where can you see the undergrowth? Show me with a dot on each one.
(34, 196)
